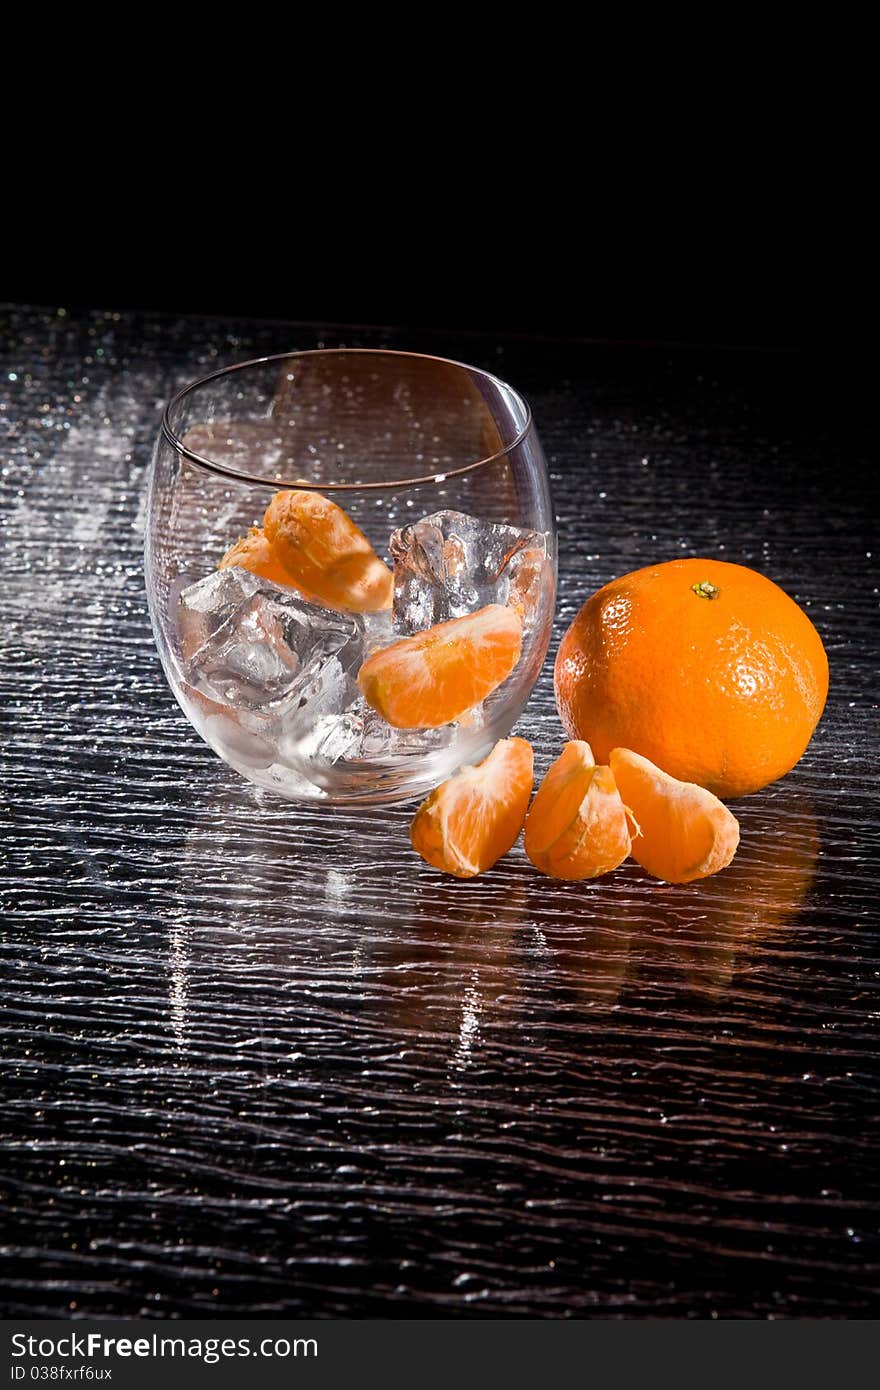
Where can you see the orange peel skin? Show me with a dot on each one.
(578, 826)
(326, 556)
(686, 832)
(434, 676)
(469, 822)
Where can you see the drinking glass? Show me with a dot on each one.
(393, 438)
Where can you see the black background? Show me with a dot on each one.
(732, 247)
(709, 186)
(726, 290)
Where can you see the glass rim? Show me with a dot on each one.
(258, 480)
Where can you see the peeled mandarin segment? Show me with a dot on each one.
(253, 552)
(577, 827)
(325, 555)
(468, 823)
(433, 677)
(686, 833)
(560, 794)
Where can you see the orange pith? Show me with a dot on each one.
(686, 833)
(432, 677)
(253, 552)
(468, 823)
(577, 826)
(705, 667)
(325, 555)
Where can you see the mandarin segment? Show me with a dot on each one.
(707, 668)
(433, 677)
(578, 826)
(254, 552)
(468, 823)
(686, 832)
(325, 555)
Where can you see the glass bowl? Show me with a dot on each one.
(438, 464)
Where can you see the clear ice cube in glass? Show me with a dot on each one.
(251, 645)
(449, 564)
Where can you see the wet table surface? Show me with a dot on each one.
(259, 1059)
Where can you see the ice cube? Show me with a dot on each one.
(378, 631)
(380, 742)
(255, 646)
(335, 736)
(319, 726)
(449, 564)
(203, 607)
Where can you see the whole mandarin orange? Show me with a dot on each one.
(708, 669)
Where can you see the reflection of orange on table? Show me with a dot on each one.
(692, 939)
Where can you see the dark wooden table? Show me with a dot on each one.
(259, 1059)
